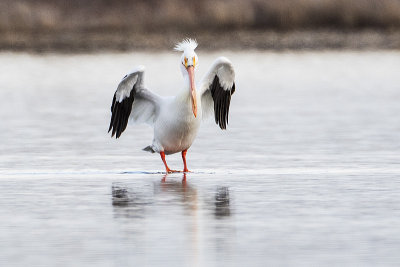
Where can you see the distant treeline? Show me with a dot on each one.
(207, 15)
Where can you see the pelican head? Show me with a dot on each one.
(188, 65)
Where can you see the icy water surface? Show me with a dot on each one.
(307, 173)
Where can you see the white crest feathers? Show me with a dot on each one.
(186, 44)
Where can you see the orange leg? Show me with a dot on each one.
(168, 170)
(185, 169)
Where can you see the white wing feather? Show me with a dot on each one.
(127, 83)
(145, 108)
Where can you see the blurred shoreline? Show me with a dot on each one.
(91, 41)
(126, 25)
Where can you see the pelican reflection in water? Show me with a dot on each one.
(222, 202)
(132, 201)
(173, 214)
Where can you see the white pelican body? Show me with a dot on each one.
(176, 128)
(176, 120)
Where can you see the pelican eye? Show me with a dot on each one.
(186, 60)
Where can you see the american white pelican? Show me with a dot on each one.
(176, 119)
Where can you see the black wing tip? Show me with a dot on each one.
(114, 133)
(120, 112)
(233, 89)
(222, 100)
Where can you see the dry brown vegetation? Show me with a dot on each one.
(24, 20)
(157, 15)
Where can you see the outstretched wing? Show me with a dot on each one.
(216, 90)
(132, 101)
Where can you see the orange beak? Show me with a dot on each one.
(190, 71)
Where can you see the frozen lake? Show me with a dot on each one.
(308, 172)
